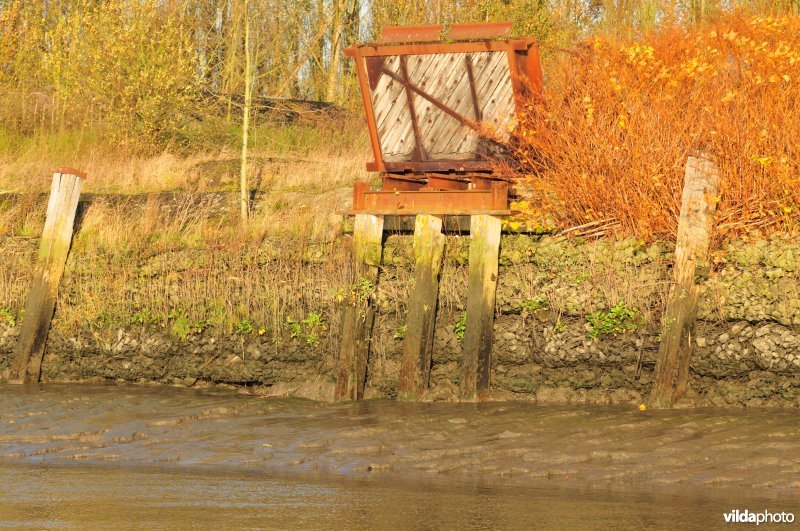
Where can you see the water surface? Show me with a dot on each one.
(111, 456)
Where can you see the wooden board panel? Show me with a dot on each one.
(392, 114)
(445, 78)
(449, 139)
(462, 140)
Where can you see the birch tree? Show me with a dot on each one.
(244, 190)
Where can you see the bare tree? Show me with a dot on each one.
(244, 191)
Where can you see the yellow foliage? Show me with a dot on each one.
(129, 63)
(628, 114)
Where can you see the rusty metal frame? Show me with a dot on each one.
(72, 171)
(493, 200)
(383, 50)
(438, 186)
(524, 68)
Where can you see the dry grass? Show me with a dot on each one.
(162, 259)
(609, 143)
(181, 262)
(312, 156)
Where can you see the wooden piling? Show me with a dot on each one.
(698, 205)
(358, 317)
(415, 368)
(54, 247)
(484, 252)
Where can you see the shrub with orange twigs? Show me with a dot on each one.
(608, 143)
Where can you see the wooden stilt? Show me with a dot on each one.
(484, 251)
(53, 250)
(357, 320)
(691, 253)
(415, 369)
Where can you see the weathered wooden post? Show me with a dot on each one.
(53, 249)
(415, 369)
(357, 319)
(699, 203)
(484, 252)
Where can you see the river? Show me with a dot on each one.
(133, 456)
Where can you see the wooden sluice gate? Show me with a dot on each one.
(429, 105)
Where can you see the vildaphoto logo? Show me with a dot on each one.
(764, 517)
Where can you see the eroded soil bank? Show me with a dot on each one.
(178, 300)
(496, 443)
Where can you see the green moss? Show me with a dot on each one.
(616, 320)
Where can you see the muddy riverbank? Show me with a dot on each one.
(181, 301)
(531, 363)
(495, 443)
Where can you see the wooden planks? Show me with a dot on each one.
(691, 253)
(463, 82)
(54, 247)
(484, 253)
(415, 368)
(358, 317)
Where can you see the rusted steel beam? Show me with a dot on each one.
(440, 166)
(366, 98)
(398, 184)
(379, 202)
(500, 191)
(382, 50)
(444, 183)
(479, 30)
(533, 70)
(476, 107)
(358, 195)
(71, 171)
(515, 74)
(481, 183)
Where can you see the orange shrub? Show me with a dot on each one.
(608, 143)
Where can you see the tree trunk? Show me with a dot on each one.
(244, 191)
(337, 29)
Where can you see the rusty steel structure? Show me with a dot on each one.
(435, 110)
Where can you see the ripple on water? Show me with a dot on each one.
(505, 443)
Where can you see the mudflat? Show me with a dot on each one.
(495, 443)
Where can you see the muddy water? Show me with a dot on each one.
(112, 455)
(115, 497)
